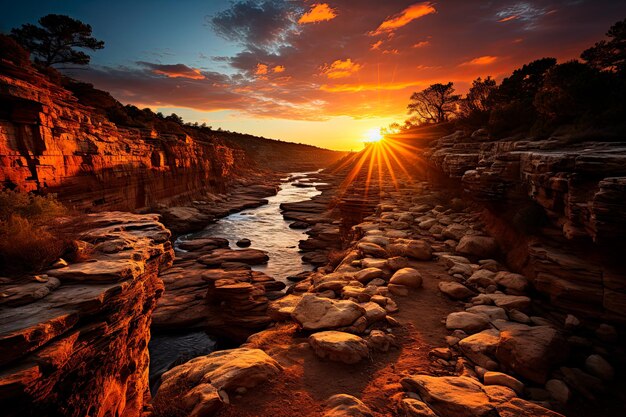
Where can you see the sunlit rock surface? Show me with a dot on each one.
(82, 348)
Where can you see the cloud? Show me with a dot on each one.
(376, 45)
(341, 69)
(370, 86)
(261, 69)
(173, 70)
(319, 12)
(481, 60)
(524, 12)
(256, 24)
(278, 69)
(405, 17)
(421, 44)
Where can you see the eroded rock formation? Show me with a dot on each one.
(80, 347)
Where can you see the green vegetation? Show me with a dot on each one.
(540, 98)
(29, 240)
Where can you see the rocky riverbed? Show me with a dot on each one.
(412, 309)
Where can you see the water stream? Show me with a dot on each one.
(268, 231)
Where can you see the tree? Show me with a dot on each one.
(609, 55)
(435, 104)
(54, 40)
(478, 97)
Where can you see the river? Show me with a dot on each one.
(268, 231)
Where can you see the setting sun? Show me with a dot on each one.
(373, 135)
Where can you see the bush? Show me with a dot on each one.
(29, 238)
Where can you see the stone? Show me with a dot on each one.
(368, 274)
(571, 322)
(399, 290)
(513, 283)
(281, 309)
(480, 347)
(606, 333)
(372, 249)
(411, 407)
(243, 243)
(248, 256)
(596, 365)
(397, 262)
(499, 378)
(508, 302)
(408, 277)
(416, 249)
(482, 278)
(373, 312)
(468, 322)
(339, 346)
(451, 396)
(455, 290)
(380, 341)
(558, 390)
(315, 313)
(343, 405)
(478, 246)
(518, 316)
(205, 376)
(531, 352)
(492, 312)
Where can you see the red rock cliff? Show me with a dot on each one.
(74, 341)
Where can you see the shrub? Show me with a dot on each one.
(29, 238)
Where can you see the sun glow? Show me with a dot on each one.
(373, 135)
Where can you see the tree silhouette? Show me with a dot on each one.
(435, 104)
(54, 40)
(609, 55)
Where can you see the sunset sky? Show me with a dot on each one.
(312, 72)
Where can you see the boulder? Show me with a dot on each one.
(478, 246)
(468, 322)
(248, 256)
(480, 347)
(343, 405)
(411, 407)
(492, 312)
(455, 290)
(372, 249)
(499, 378)
(368, 274)
(243, 243)
(596, 365)
(482, 278)
(416, 249)
(281, 309)
(339, 346)
(316, 313)
(408, 277)
(531, 352)
(198, 386)
(513, 283)
(451, 396)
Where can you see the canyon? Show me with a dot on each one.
(463, 275)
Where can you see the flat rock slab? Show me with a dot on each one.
(339, 346)
(248, 256)
(317, 313)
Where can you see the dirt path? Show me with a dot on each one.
(308, 381)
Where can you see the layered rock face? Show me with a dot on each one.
(48, 141)
(580, 189)
(74, 341)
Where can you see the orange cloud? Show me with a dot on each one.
(405, 17)
(174, 70)
(376, 45)
(319, 12)
(341, 69)
(261, 69)
(482, 60)
(506, 19)
(353, 88)
(421, 44)
(278, 68)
